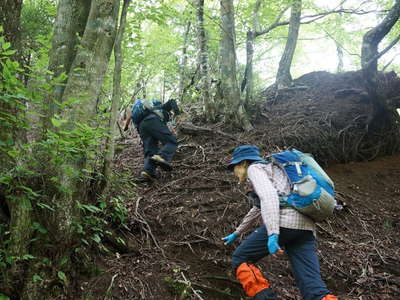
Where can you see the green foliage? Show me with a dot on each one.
(4, 297)
(97, 219)
(37, 18)
(177, 287)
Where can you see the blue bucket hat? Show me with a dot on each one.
(246, 152)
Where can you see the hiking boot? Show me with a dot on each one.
(144, 177)
(158, 160)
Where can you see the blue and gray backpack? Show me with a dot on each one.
(143, 107)
(312, 191)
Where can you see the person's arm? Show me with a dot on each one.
(268, 195)
(127, 121)
(248, 221)
(171, 105)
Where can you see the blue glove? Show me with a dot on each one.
(229, 239)
(273, 246)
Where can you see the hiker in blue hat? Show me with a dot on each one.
(283, 230)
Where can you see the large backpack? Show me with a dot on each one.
(312, 191)
(143, 107)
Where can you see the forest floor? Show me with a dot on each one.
(176, 224)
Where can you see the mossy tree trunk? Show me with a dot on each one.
(234, 110)
(10, 14)
(202, 61)
(13, 185)
(69, 27)
(183, 64)
(84, 82)
(64, 184)
(116, 96)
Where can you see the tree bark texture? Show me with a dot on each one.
(91, 61)
(283, 77)
(116, 96)
(202, 60)
(369, 57)
(247, 82)
(339, 52)
(229, 88)
(10, 14)
(69, 26)
(82, 90)
(183, 64)
(20, 229)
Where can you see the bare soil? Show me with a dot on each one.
(176, 224)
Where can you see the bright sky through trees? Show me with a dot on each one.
(316, 50)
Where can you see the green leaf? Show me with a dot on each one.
(62, 276)
(44, 205)
(4, 297)
(27, 256)
(91, 208)
(96, 238)
(36, 278)
(57, 122)
(8, 52)
(39, 227)
(6, 45)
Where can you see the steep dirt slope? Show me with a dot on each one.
(177, 223)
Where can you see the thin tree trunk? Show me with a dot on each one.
(202, 59)
(370, 55)
(339, 52)
(248, 74)
(229, 89)
(283, 77)
(183, 64)
(116, 97)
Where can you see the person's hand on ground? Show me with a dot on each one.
(229, 239)
(273, 246)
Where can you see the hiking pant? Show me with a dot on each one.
(152, 131)
(299, 245)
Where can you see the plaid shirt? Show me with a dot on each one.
(269, 181)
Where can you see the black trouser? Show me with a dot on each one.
(152, 131)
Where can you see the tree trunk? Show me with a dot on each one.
(283, 77)
(82, 91)
(248, 73)
(229, 89)
(339, 52)
(21, 230)
(183, 64)
(13, 166)
(68, 30)
(116, 97)
(202, 59)
(10, 14)
(369, 61)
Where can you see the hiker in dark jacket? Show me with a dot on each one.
(153, 130)
(283, 229)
